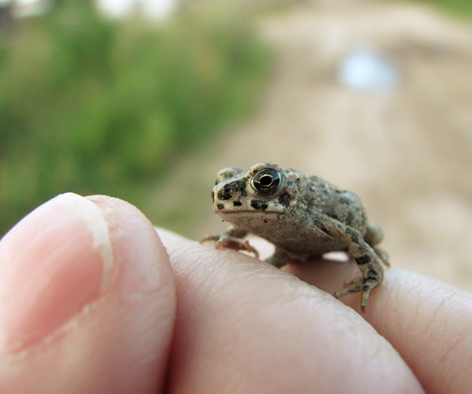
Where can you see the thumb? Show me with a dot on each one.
(87, 300)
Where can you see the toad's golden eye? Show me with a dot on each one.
(267, 181)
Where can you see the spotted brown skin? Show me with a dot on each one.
(303, 216)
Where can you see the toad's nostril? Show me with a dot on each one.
(225, 194)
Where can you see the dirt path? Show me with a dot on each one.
(407, 153)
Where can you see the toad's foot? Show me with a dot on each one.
(228, 242)
(359, 284)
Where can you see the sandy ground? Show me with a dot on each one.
(407, 152)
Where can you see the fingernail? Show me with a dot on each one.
(54, 262)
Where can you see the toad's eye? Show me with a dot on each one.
(267, 181)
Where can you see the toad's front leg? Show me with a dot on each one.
(231, 239)
(367, 260)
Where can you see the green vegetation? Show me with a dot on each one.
(458, 7)
(91, 106)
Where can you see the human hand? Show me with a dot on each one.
(88, 305)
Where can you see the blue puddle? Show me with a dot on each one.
(367, 70)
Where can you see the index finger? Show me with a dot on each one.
(244, 326)
(427, 321)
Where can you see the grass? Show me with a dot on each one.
(91, 106)
(462, 8)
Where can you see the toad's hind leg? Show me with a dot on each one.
(279, 258)
(383, 255)
(366, 258)
(373, 237)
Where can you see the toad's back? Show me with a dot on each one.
(297, 230)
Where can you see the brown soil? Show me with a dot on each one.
(407, 153)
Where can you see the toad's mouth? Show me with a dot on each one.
(254, 211)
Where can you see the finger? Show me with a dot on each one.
(86, 300)
(245, 326)
(427, 321)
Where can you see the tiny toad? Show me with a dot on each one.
(303, 216)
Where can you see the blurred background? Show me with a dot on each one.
(146, 100)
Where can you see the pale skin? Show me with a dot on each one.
(200, 320)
